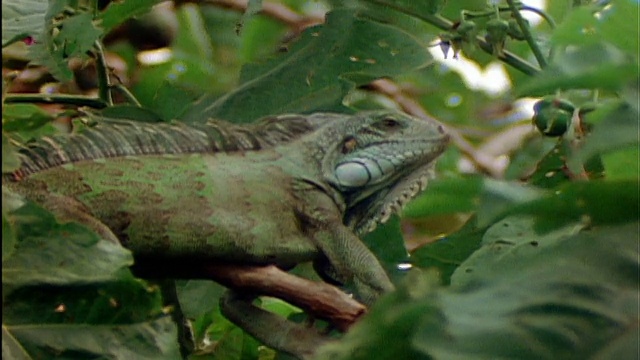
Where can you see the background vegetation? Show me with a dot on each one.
(526, 246)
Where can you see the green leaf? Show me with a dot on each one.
(597, 66)
(550, 171)
(10, 161)
(526, 159)
(8, 238)
(24, 117)
(387, 331)
(130, 112)
(595, 202)
(69, 293)
(622, 164)
(77, 35)
(618, 130)
(148, 340)
(253, 7)
(124, 301)
(74, 37)
(22, 18)
(198, 297)
(617, 24)
(387, 244)
(318, 72)
(511, 238)
(11, 348)
(499, 197)
(446, 196)
(573, 298)
(119, 11)
(447, 253)
(48, 253)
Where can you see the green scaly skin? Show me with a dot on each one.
(286, 190)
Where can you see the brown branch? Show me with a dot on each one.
(482, 161)
(317, 298)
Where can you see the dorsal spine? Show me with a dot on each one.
(116, 138)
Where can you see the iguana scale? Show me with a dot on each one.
(285, 190)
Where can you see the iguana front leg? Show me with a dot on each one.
(348, 256)
(68, 209)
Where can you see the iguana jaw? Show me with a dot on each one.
(367, 211)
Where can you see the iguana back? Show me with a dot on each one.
(115, 138)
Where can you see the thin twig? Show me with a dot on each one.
(127, 94)
(446, 25)
(104, 85)
(77, 100)
(526, 32)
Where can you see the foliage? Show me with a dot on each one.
(543, 252)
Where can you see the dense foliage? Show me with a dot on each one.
(526, 245)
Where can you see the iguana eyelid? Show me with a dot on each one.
(349, 145)
(390, 122)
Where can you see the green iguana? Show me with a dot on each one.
(285, 190)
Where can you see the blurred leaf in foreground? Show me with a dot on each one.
(575, 298)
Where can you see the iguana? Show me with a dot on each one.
(285, 190)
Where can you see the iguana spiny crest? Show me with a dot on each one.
(114, 138)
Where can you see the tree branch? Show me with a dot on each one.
(317, 298)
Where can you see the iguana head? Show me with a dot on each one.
(379, 161)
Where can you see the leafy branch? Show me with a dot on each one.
(445, 24)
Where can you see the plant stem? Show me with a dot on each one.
(446, 25)
(77, 100)
(527, 34)
(542, 14)
(104, 91)
(124, 91)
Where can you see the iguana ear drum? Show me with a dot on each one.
(352, 174)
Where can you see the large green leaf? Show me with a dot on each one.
(387, 244)
(594, 202)
(149, 340)
(24, 117)
(447, 253)
(597, 66)
(617, 23)
(22, 18)
(318, 71)
(446, 196)
(119, 11)
(67, 292)
(574, 298)
(618, 130)
(48, 253)
(74, 37)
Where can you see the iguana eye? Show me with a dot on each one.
(349, 145)
(390, 123)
